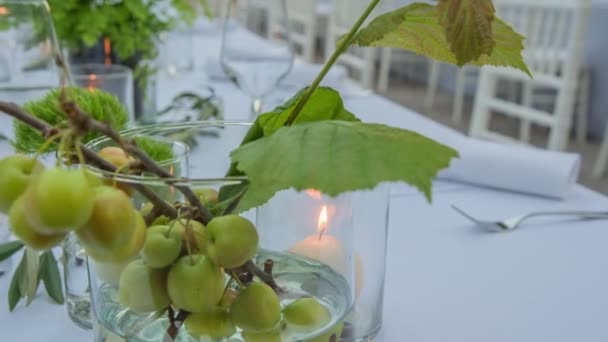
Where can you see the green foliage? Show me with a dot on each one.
(25, 281)
(418, 28)
(102, 106)
(49, 273)
(9, 248)
(337, 156)
(157, 150)
(132, 26)
(324, 104)
(468, 27)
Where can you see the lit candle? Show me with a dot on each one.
(92, 84)
(328, 250)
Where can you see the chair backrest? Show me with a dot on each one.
(302, 21)
(554, 31)
(360, 60)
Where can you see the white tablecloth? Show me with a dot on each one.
(446, 281)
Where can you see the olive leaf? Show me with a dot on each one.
(337, 156)
(49, 273)
(417, 28)
(9, 248)
(14, 291)
(31, 281)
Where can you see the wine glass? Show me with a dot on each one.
(28, 53)
(255, 64)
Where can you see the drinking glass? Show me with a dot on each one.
(256, 65)
(28, 51)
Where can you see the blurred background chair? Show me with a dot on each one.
(302, 22)
(554, 32)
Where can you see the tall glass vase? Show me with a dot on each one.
(290, 290)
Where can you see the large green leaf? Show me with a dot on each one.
(9, 248)
(337, 156)
(49, 273)
(324, 104)
(468, 27)
(417, 28)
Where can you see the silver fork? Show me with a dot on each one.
(514, 222)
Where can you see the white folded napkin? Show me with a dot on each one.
(516, 168)
(301, 74)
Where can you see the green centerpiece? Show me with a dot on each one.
(165, 250)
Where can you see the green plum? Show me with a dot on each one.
(214, 323)
(332, 335)
(256, 309)
(111, 224)
(161, 220)
(22, 229)
(306, 314)
(193, 237)
(143, 289)
(195, 283)
(119, 158)
(266, 336)
(162, 247)
(16, 171)
(231, 240)
(59, 200)
(207, 195)
(126, 252)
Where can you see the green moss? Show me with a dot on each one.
(159, 151)
(102, 106)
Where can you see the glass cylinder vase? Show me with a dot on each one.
(228, 280)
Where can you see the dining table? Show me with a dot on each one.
(446, 280)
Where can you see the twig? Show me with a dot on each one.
(86, 123)
(175, 323)
(265, 277)
(91, 157)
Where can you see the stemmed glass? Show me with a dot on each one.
(28, 51)
(255, 64)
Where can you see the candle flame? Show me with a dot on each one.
(92, 84)
(322, 225)
(107, 50)
(315, 194)
(3, 10)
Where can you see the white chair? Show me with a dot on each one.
(554, 32)
(361, 61)
(302, 21)
(463, 75)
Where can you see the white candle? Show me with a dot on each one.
(328, 250)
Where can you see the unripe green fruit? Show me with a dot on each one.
(195, 283)
(126, 252)
(306, 314)
(111, 224)
(267, 336)
(193, 237)
(207, 195)
(22, 229)
(143, 289)
(231, 240)
(214, 323)
(162, 246)
(59, 200)
(16, 173)
(256, 309)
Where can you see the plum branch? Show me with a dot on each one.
(90, 156)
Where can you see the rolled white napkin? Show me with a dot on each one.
(516, 168)
(300, 75)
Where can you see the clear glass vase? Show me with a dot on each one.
(180, 301)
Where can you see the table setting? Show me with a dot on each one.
(396, 261)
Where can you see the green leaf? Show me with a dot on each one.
(14, 291)
(468, 27)
(324, 104)
(9, 248)
(32, 269)
(49, 273)
(416, 28)
(337, 156)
